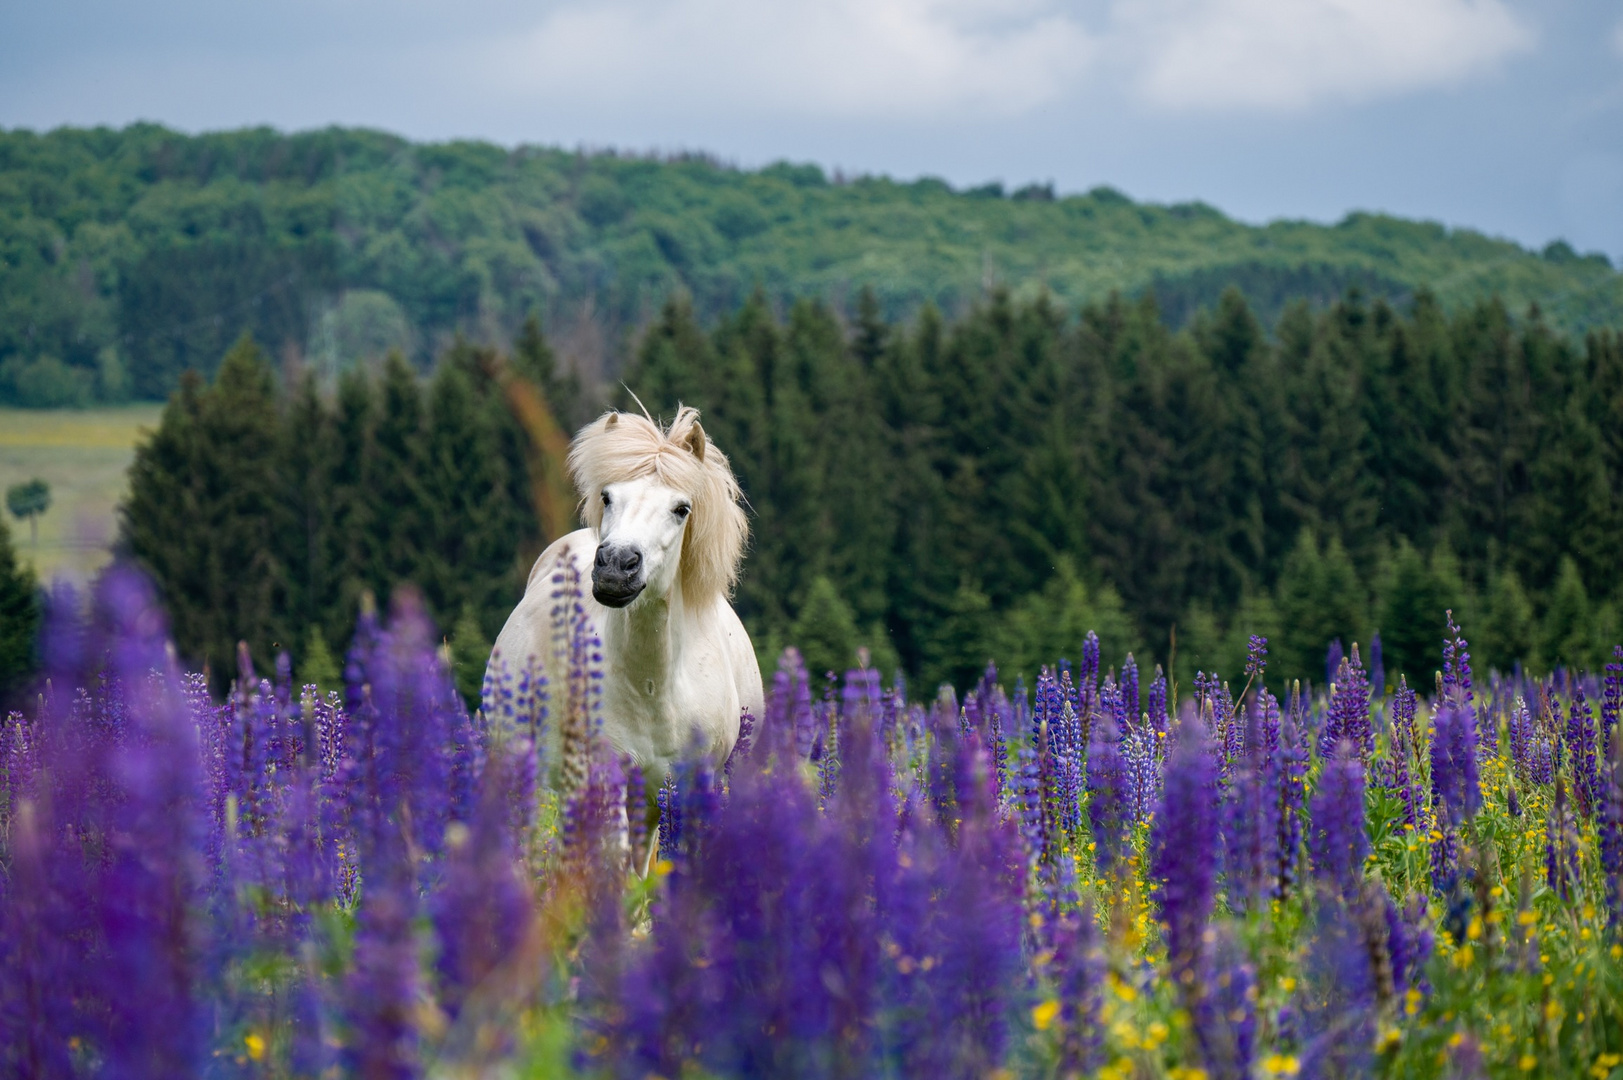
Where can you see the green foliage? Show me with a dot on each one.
(340, 244)
(269, 515)
(952, 484)
(1507, 632)
(1053, 622)
(1412, 621)
(1569, 629)
(470, 652)
(317, 664)
(1306, 486)
(29, 500)
(1321, 599)
(825, 631)
(45, 382)
(19, 618)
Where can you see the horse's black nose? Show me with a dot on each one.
(624, 561)
(614, 574)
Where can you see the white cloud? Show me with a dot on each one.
(833, 58)
(1292, 54)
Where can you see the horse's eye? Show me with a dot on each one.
(682, 510)
(605, 498)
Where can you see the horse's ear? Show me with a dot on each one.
(614, 418)
(695, 440)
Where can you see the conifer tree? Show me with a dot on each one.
(1320, 599)
(203, 499)
(19, 618)
(470, 651)
(1507, 632)
(394, 472)
(316, 664)
(1412, 615)
(824, 631)
(1568, 631)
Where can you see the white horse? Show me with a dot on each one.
(663, 539)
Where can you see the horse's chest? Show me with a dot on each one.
(660, 715)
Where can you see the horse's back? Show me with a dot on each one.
(527, 640)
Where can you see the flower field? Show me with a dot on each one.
(1100, 874)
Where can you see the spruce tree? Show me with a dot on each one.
(19, 619)
(202, 513)
(1569, 635)
(1412, 617)
(394, 474)
(824, 631)
(534, 359)
(1320, 598)
(1508, 632)
(470, 652)
(316, 664)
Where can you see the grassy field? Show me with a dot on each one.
(83, 454)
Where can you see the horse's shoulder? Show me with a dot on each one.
(576, 546)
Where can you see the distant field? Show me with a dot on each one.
(83, 454)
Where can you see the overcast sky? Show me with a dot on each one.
(1503, 115)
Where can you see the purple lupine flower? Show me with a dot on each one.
(481, 910)
(1542, 769)
(1586, 780)
(1611, 702)
(1332, 661)
(1455, 788)
(1519, 730)
(150, 878)
(1377, 665)
(1225, 1016)
(1338, 843)
(382, 992)
(1184, 850)
(1292, 787)
(1141, 754)
(1159, 700)
(1456, 665)
(1108, 809)
(1256, 656)
(1078, 973)
(1088, 673)
(1349, 711)
(1611, 834)
(1130, 699)
(1250, 820)
(1337, 999)
(1562, 868)
(670, 817)
(1409, 941)
(1266, 726)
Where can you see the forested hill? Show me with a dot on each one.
(128, 256)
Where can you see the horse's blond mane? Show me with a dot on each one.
(617, 447)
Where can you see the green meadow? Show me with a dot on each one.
(83, 454)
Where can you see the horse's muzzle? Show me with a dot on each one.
(617, 576)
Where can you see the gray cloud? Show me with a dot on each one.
(1495, 113)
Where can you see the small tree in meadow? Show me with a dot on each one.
(29, 500)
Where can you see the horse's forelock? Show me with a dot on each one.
(633, 447)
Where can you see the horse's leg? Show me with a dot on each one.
(653, 849)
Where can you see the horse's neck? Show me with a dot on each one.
(641, 642)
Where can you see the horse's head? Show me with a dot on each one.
(665, 507)
(639, 541)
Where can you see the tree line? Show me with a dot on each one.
(129, 256)
(269, 510)
(994, 485)
(947, 491)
